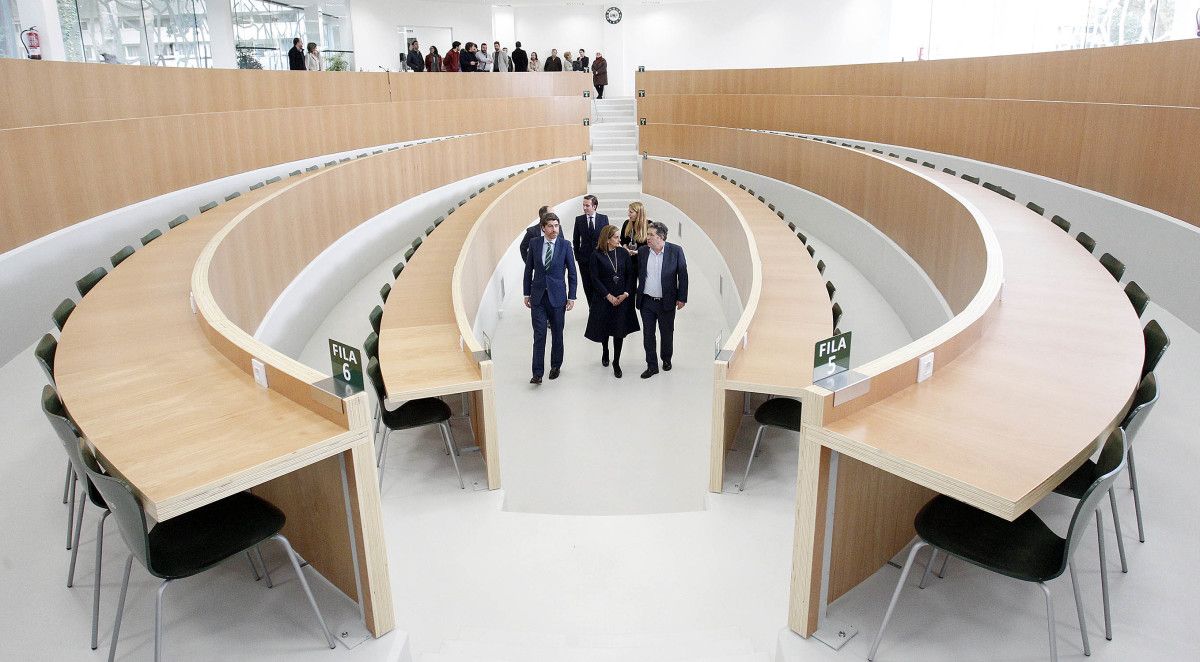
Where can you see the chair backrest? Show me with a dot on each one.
(371, 345)
(385, 291)
(1137, 297)
(803, 238)
(232, 196)
(837, 313)
(397, 269)
(126, 509)
(151, 236)
(408, 254)
(62, 312)
(821, 267)
(376, 377)
(1113, 265)
(1108, 465)
(1157, 343)
(1144, 400)
(1061, 222)
(1086, 241)
(208, 206)
(46, 348)
(120, 256)
(85, 284)
(1036, 208)
(56, 413)
(812, 252)
(180, 220)
(376, 318)
(830, 288)
(970, 178)
(417, 242)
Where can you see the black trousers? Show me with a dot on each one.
(599, 91)
(661, 313)
(585, 275)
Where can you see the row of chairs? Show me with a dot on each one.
(776, 412)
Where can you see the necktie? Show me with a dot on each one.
(549, 251)
(592, 224)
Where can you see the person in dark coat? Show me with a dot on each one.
(583, 241)
(532, 232)
(599, 74)
(467, 59)
(554, 62)
(450, 62)
(414, 60)
(662, 287)
(584, 62)
(614, 281)
(296, 57)
(520, 59)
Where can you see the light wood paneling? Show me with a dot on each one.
(1166, 74)
(285, 232)
(72, 172)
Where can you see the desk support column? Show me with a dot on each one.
(362, 489)
(811, 503)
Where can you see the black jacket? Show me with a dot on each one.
(520, 60)
(296, 60)
(467, 61)
(416, 61)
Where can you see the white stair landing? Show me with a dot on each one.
(484, 645)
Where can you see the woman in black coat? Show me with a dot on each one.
(614, 280)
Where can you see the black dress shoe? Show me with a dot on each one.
(604, 360)
(648, 373)
(553, 373)
(666, 365)
(617, 370)
(536, 379)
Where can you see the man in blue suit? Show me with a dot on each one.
(661, 291)
(583, 240)
(548, 294)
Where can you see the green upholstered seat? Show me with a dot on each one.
(1061, 222)
(970, 178)
(837, 314)
(44, 352)
(376, 318)
(151, 236)
(1157, 342)
(397, 269)
(821, 267)
(232, 196)
(62, 313)
(830, 288)
(371, 345)
(179, 220)
(208, 206)
(385, 291)
(1113, 265)
(1036, 208)
(1086, 241)
(89, 280)
(121, 255)
(1137, 297)
(411, 414)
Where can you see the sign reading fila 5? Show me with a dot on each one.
(831, 356)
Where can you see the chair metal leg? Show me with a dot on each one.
(1087, 647)
(158, 619)
(71, 512)
(1050, 622)
(67, 481)
(1103, 576)
(253, 568)
(96, 583)
(112, 646)
(1137, 496)
(887, 616)
(1112, 502)
(928, 568)
(941, 573)
(266, 570)
(757, 437)
(383, 455)
(287, 547)
(75, 546)
(448, 435)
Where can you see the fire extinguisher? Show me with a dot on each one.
(32, 42)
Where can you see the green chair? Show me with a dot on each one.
(416, 243)
(121, 255)
(1144, 400)
(151, 236)
(257, 185)
(179, 220)
(1036, 208)
(438, 221)
(275, 179)
(191, 543)
(837, 315)
(970, 178)
(312, 168)
(927, 164)
(294, 173)
(821, 267)
(231, 196)
(376, 318)
(371, 350)
(412, 414)
(1024, 549)
(949, 171)
(408, 254)
(1007, 193)
(910, 159)
(829, 287)
(45, 351)
(208, 206)
(1086, 241)
(812, 252)
(385, 291)
(85, 284)
(397, 269)
(57, 415)
(62, 313)
(791, 226)
(1157, 342)
(803, 238)
(1061, 222)
(1113, 265)
(776, 413)
(1137, 297)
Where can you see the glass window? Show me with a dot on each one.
(263, 32)
(170, 33)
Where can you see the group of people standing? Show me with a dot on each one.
(626, 274)
(302, 60)
(472, 57)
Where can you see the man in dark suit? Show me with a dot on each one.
(548, 294)
(661, 291)
(532, 232)
(520, 59)
(583, 240)
(296, 57)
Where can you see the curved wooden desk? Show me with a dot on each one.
(1026, 378)
(427, 346)
(786, 309)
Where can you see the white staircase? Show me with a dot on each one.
(483, 645)
(614, 157)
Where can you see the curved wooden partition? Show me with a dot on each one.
(1116, 120)
(785, 306)
(153, 130)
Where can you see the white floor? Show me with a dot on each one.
(473, 578)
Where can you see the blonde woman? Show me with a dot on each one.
(633, 232)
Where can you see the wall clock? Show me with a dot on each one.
(612, 15)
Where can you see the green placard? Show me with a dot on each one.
(347, 364)
(831, 356)
(587, 94)
(642, 122)
(641, 93)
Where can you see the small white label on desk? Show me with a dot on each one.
(925, 367)
(192, 301)
(260, 372)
